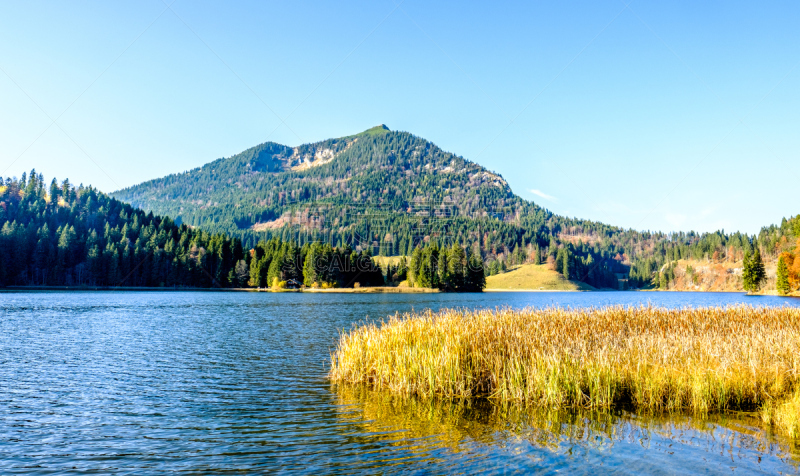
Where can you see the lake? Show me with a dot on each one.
(211, 382)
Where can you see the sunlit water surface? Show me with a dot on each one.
(211, 382)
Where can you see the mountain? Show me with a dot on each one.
(380, 189)
(389, 191)
(377, 170)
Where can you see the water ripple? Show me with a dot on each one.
(131, 383)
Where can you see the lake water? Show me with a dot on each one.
(211, 382)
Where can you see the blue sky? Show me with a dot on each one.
(658, 115)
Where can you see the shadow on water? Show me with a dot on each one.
(479, 435)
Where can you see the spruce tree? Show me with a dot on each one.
(759, 272)
(441, 265)
(414, 267)
(475, 277)
(310, 265)
(275, 271)
(566, 268)
(747, 272)
(783, 277)
(456, 267)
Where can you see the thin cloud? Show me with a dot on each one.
(541, 194)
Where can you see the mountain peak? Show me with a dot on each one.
(375, 131)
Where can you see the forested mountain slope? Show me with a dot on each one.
(66, 235)
(390, 191)
(77, 236)
(381, 189)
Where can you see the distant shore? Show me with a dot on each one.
(502, 290)
(374, 290)
(362, 290)
(727, 291)
(117, 288)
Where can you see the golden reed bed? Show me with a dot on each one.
(700, 360)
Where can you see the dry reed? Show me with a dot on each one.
(701, 360)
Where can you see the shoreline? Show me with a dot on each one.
(501, 290)
(740, 291)
(374, 290)
(117, 288)
(363, 290)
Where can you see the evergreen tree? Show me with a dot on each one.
(475, 277)
(759, 272)
(275, 271)
(567, 265)
(66, 247)
(402, 269)
(748, 280)
(310, 275)
(414, 267)
(782, 283)
(456, 268)
(441, 266)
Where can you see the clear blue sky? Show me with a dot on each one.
(662, 116)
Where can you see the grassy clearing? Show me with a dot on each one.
(653, 359)
(530, 277)
(383, 261)
(374, 131)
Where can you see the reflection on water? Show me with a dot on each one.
(470, 434)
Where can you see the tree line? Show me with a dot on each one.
(788, 267)
(65, 235)
(774, 245)
(448, 269)
(62, 234)
(276, 263)
(392, 191)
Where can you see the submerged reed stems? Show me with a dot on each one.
(700, 360)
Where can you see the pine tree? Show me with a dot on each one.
(759, 272)
(402, 269)
(783, 277)
(275, 269)
(444, 276)
(310, 265)
(747, 272)
(53, 195)
(66, 247)
(475, 276)
(432, 262)
(414, 267)
(255, 272)
(456, 267)
(662, 280)
(426, 272)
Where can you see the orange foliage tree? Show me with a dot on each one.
(793, 263)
